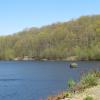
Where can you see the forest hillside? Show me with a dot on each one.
(75, 39)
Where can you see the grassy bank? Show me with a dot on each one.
(92, 93)
(87, 89)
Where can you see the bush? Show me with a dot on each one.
(67, 94)
(89, 80)
(71, 83)
(97, 74)
(88, 98)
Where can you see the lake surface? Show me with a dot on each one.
(34, 80)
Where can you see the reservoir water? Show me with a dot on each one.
(35, 80)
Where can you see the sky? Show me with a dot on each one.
(16, 15)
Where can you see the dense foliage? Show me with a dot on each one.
(76, 38)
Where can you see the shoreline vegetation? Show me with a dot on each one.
(77, 39)
(88, 88)
(26, 58)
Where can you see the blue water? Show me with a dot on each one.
(35, 80)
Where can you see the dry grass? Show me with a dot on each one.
(93, 92)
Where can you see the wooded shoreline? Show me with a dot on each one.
(77, 39)
(45, 59)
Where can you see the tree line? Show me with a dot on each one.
(78, 38)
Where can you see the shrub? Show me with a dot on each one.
(97, 74)
(88, 98)
(67, 94)
(71, 83)
(89, 80)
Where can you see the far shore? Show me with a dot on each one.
(26, 58)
